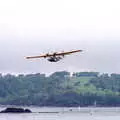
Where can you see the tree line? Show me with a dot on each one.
(61, 89)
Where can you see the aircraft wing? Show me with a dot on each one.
(67, 53)
(54, 54)
(40, 56)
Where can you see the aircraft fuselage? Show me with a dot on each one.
(54, 58)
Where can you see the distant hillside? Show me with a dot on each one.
(61, 89)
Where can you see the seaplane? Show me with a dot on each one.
(54, 57)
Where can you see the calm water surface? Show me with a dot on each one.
(65, 114)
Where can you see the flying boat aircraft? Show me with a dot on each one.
(54, 57)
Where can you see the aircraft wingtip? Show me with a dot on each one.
(26, 57)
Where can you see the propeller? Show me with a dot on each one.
(46, 55)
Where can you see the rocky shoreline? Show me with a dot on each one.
(16, 110)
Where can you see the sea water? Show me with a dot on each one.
(64, 113)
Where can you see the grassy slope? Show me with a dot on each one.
(80, 84)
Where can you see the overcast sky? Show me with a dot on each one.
(33, 27)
